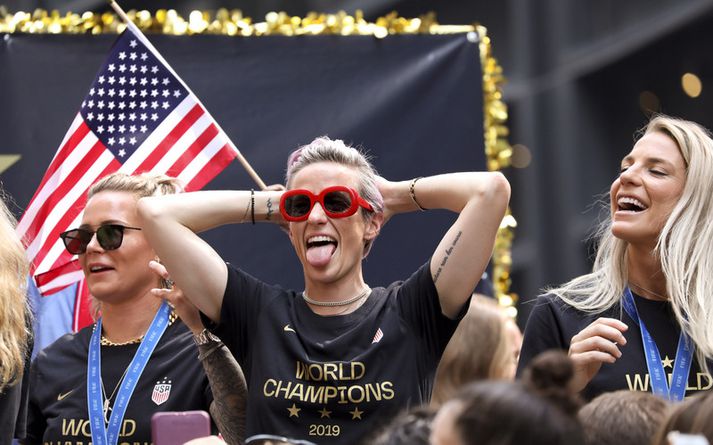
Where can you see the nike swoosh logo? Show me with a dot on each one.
(61, 396)
(287, 328)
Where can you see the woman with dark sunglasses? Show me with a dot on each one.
(329, 363)
(103, 384)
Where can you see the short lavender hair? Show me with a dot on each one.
(324, 149)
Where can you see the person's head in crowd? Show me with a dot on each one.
(622, 417)
(14, 332)
(693, 416)
(113, 199)
(485, 345)
(409, 428)
(540, 409)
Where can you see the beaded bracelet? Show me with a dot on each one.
(412, 192)
(252, 205)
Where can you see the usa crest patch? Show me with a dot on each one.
(161, 391)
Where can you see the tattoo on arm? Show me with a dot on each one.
(445, 258)
(270, 211)
(247, 211)
(230, 392)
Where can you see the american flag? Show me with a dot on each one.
(138, 116)
(378, 336)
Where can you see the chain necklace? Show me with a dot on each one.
(107, 400)
(106, 342)
(356, 298)
(648, 290)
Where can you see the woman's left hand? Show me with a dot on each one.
(185, 310)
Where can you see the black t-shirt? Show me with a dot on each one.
(553, 323)
(333, 380)
(13, 402)
(58, 387)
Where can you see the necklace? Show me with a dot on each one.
(106, 342)
(648, 290)
(107, 400)
(357, 297)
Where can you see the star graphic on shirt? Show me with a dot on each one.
(294, 411)
(324, 413)
(667, 362)
(356, 414)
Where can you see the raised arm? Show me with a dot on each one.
(171, 222)
(480, 199)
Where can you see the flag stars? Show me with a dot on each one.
(154, 93)
(111, 105)
(90, 104)
(132, 81)
(122, 55)
(165, 93)
(132, 104)
(165, 105)
(154, 104)
(144, 56)
(100, 129)
(111, 141)
(143, 104)
(132, 128)
(132, 117)
(111, 67)
(110, 118)
(111, 92)
(143, 81)
(100, 117)
(356, 414)
(154, 81)
(122, 153)
(110, 129)
(133, 56)
(132, 68)
(100, 92)
(111, 80)
(324, 413)
(122, 129)
(91, 91)
(132, 140)
(122, 68)
(294, 411)
(101, 79)
(90, 116)
(143, 93)
(122, 105)
(133, 43)
(154, 69)
(177, 93)
(166, 81)
(143, 69)
(122, 80)
(84, 104)
(121, 117)
(144, 116)
(132, 93)
(122, 93)
(144, 129)
(122, 140)
(154, 117)
(100, 104)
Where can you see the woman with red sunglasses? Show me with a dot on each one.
(330, 362)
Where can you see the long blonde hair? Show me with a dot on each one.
(684, 247)
(14, 313)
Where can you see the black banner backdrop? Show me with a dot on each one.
(414, 102)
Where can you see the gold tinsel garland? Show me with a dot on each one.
(233, 23)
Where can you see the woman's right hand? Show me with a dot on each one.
(594, 345)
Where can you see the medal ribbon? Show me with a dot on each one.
(657, 374)
(110, 434)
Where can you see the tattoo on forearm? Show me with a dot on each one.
(247, 211)
(270, 211)
(230, 392)
(445, 258)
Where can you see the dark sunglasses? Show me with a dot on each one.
(109, 236)
(337, 201)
